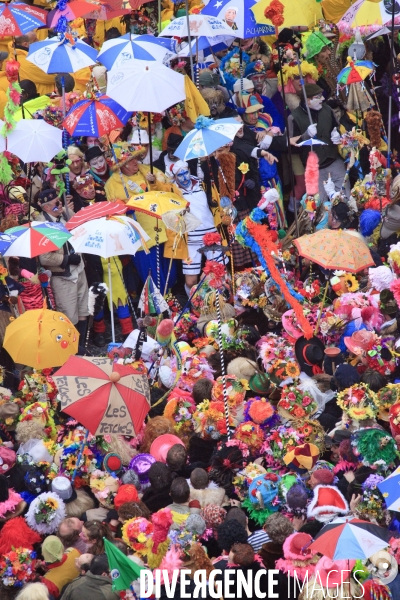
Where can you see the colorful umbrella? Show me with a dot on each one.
(37, 238)
(17, 18)
(236, 14)
(95, 117)
(335, 249)
(356, 71)
(368, 16)
(156, 204)
(208, 45)
(295, 14)
(146, 86)
(41, 338)
(122, 570)
(61, 54)
(72, 11)
(103, 396)
(198, 25)
(34, 140)
(95, 211)
(5, 241)
(120, 51)
(151, 300)
(206, 137)
(390, 490)
(347, 538)
(109, 236)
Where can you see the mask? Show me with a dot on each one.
(99, 165)
(315, 103)
(183, 178)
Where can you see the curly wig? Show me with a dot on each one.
(278, 528)
(198, 560)
(131, 510)
(229, 533)
(373, 119)
(154, 428)
(122, 447)
(30, 430)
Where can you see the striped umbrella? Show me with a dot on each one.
(95, 117)
(17, 18)
(390, 490)
(36, 238)
(347, 538)
(62, 54)
(117, 52)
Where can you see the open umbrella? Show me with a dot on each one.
(18, 18)
(198, 25)
(151, 300)
(41, 339)
(95, 117)
(108, 237)
(5, 241)
(34, 239)
(146, 86)
(295, 14)
(335, 249)
(95, 211)
(105, 11)
(105, 397)
(73, 10)
(369, 16)
(236, 14)
(356, 71)
(34, 140)
(390, 490)
(120, 51)
(206, 137)
(156, 204)
(208, 45)
(61, 54)
(347, 538)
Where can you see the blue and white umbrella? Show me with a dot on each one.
(238, 16)
(6, 239)
(206, 137)
(120, 51)
(208, 45)
(61, 54)
(198, 25)
(312, 142)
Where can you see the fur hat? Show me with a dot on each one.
(380, 277)
(327, 502)
(16, 534)
(242, 367)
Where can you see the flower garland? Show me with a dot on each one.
(18, 567)
(13, 94)
(210, 420)
(135, 533)
(251, 434)
(359, 402)
(279, 442)
(257, 237)
(180, 410)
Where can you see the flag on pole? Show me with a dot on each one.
(122, 570)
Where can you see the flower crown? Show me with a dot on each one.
(295, 404)
(235, 387)
(359, 402)
(180, 410)
(136, 533)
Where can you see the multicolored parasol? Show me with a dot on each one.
(356, 71)
(151, 301)
(36, 238)
(18, 18)
(95, 116)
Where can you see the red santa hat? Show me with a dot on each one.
(326, 503)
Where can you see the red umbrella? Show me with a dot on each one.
(18, 18)
(103, 396)
(104, 10)
(95, 211)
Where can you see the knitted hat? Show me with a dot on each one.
(315, 43)
(126, 493)
(52, 549)
(327, 502)
(302, 457)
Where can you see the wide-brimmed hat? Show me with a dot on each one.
(315, 43)
(309, 354)
(159, 448)
(360, 341)
(390, 221)
(297, 547)
(290, 326)
(141, 464)
(124, 153)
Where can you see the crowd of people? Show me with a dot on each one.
(273, 375)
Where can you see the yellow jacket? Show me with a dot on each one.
(115, 190)
(31, 106)
(101, 27)
(43, 81)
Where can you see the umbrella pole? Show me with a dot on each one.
(111, 302)
(190, 299)
(321, 307)
(304, 91)
(285, 116)
(221, 354)
(189, 39)
(30, 177)
(389, 133)
(63, 96)
(168, 274)
(150, 143)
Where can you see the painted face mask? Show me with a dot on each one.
(316, 103)
(183, 178)
(99, 165)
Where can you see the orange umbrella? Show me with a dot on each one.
(335, 249)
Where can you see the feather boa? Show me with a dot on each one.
(17, 534)
(395, 288)
(257, 237)
(9, 505)
(311, 174)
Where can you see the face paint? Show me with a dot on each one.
(183, 178)
(88, 192)
(99, 165)
(316, 103)
(92, 141)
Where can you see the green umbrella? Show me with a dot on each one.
(123, 571)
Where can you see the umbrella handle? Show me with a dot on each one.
(321, 307)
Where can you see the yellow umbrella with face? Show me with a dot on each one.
(41, 339)
(156, 204)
